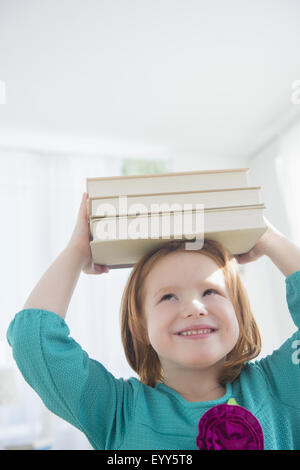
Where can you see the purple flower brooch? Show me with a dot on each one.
(229, 427)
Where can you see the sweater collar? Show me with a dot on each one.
(195, 404)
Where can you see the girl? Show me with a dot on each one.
(188, 332)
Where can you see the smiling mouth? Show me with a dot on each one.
(197, 333)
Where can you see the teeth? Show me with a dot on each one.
(195, 332)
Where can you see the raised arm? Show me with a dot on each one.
(281, 369)
(72, 385)
(54, 290)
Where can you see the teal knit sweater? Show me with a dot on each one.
(118, 414)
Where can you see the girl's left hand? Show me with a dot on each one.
(259, 248)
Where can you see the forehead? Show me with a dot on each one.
(183, 268)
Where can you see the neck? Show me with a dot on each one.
(195, 385)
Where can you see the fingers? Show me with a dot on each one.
(95, 269)
(246, 257)
(241, 259)
(100, 268)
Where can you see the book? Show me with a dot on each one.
(167, 182)
(155, 202)
(130, 215)
(237, 228)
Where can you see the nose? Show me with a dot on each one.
(194, 308)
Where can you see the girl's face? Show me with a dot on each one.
(186, 291)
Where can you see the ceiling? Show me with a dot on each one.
(207, 77)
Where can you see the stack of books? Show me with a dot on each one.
(130, 215)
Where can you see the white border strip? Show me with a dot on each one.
(2, 92)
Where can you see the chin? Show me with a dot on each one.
(200, 363)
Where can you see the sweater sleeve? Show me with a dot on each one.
(282, 367)
(73, 386)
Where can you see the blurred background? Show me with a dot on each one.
(113, 87)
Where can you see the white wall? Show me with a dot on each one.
(193, 161)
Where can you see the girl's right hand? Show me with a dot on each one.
(80, 240)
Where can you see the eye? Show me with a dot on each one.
(166, 296)
(210, 290)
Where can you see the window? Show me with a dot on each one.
(134, 166)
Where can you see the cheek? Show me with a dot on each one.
(228, 319)
(159, 326)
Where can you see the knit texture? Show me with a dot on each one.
(118, 414)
